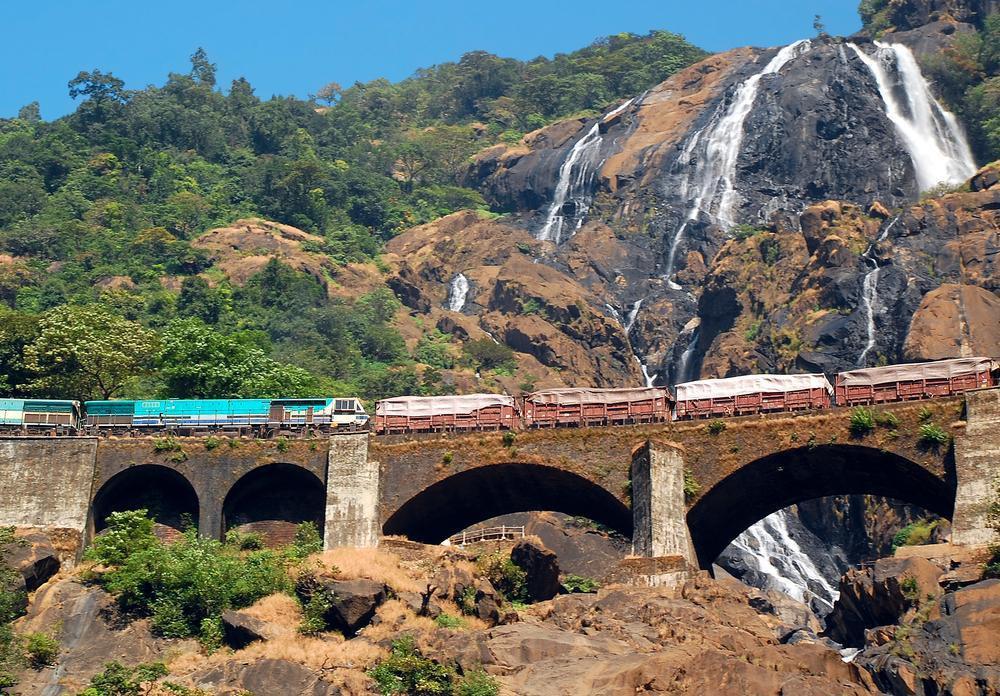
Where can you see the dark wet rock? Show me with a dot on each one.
(541, 567)
(351, 603)
(239, 629)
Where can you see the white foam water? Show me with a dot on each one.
(458, 290)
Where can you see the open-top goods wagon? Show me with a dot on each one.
(579, 407)
(739, 396)
(926, 380)
(412, 414)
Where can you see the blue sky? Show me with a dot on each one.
(298, 46)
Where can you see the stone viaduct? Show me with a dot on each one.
(680, 491)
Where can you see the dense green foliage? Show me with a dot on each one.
(119, 680)
(914, 534)
(406, 671)
(966, 75)
(184, 586)
(508, 578)
(102, 209)
(11, 600)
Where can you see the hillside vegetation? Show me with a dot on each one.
(105, 290)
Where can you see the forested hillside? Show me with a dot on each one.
(108, 290)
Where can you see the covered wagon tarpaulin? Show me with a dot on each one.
(938, 369)
(415, 406)
(573, 396)
(750, 384)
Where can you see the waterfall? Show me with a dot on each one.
(683, 371)
(632, 314)
(869, 292)
(575, 183)
(774, 551)
(931, 135)
(457, 291)
(709, 186)
(649, 379)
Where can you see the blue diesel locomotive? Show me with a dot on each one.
(189, 416)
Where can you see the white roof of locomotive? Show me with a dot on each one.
(440, 405)
(750, 384)
(938, 369)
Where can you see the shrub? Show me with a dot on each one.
(509, 579)
(314, 614)
(691, 485)
(477, 683)
(933, 435)
(119, 680)
(448, 621)
(41, 649)
(212, 442)
(281, 444)
(306, 542)
(165, 444)
(910, 588)
(406, 671)
(577, 583)
(508, 438)
(180, 585)
(914, 534)
(887, 419)
(488, 355)
(925, 414)
(245, 541)
(128, 533)
(862, 421)
(467, 601)
(715, 427)
(447, 458)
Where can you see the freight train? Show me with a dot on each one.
(548, 408)
(706, 398)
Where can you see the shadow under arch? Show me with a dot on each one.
(274, 499)
(478, 494)
(784, 478)
(168, 496)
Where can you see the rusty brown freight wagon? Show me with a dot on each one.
(577, 407)
(414, 414)
(914, 381)
(750, 394)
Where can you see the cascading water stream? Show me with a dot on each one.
(575, 182)
(683, 372)
(710, 186)
(869, 292)
(458, 289)
(931, 135)
(774, 552)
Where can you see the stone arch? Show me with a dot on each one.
(478, 494)
(274, 499)
(168, 496)
(784, 478)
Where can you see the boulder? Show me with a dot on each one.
(541, 567)
(488, 602)
(351, 603)
(239, 629)
(266, 676)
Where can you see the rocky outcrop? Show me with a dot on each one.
(266, 676)
(541, 568)
(349, 604)
(880, 595)
(34, 558)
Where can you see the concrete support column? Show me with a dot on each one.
(659, 512)
(352, 481)
(977, 468)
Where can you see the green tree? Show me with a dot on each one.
(88, 352)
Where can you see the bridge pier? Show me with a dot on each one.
(977, 468)
(660, 531)
(352, 490)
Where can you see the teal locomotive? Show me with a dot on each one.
(260, 416)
